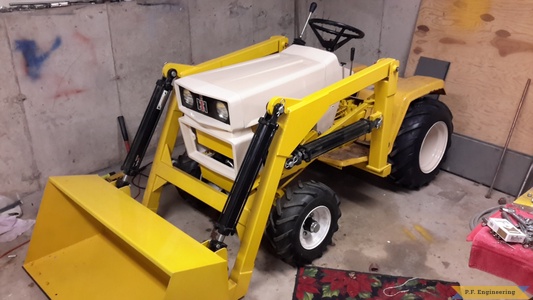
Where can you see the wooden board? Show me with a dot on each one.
(490, 46)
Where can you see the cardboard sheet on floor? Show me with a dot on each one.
(497, 258)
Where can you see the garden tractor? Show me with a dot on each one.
(251, 122)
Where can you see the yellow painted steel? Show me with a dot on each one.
(105, 243)
(358, 67)
(525, 200)
(380, 143)
(408, 90)
(273, 45)
(214, 143)
(92, 241)
(223, 182)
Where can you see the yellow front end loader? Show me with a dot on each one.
(92, 240)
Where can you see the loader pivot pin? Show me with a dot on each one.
(253, 160)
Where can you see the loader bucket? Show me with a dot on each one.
(93, 241)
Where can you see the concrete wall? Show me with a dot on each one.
(388, 26)
(67, 73)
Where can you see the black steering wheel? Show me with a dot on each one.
(337, 29)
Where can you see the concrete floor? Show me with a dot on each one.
(377, 226)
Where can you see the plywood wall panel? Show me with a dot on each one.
(490, 47)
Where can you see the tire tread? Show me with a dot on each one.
(404, 156)
(281, 229)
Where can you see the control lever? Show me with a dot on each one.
(299, 40)
(352, 56)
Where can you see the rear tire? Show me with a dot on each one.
(302, 224)
(422, 143)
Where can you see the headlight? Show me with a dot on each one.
(222, 111)
(188, 99)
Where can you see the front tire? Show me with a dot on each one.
(185, 163)
(422, 143)
(302, 224)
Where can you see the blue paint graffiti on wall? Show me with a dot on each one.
(33, 56)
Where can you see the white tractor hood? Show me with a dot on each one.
(247, 87)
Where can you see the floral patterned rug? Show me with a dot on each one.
(314, 283)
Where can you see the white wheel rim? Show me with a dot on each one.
(433, 147)
(321, 216)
